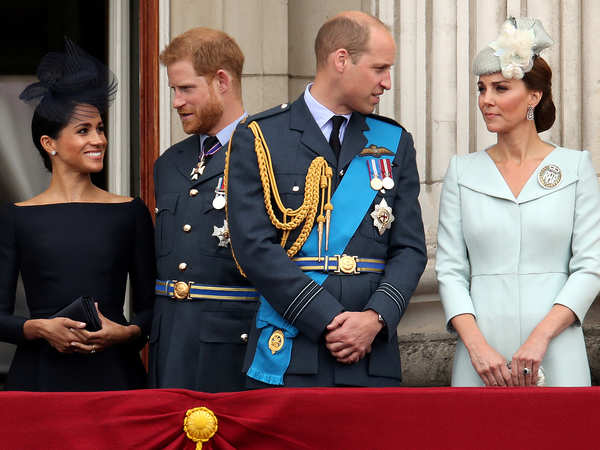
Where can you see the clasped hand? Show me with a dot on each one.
(493, 369)
(69, 336)
(350, 334)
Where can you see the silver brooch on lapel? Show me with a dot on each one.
(382, 217)
(549, 176)
(222, 234)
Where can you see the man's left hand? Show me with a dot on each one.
(350, 335)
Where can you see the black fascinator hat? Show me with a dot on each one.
(69, 79)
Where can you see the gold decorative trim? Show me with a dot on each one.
(200, 424)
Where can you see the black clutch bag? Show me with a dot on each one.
(82, 309)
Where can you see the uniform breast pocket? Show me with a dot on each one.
(291, 189)
(383, 213)
(166, 205)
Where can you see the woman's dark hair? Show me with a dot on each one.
(539, 78)
(40, 126)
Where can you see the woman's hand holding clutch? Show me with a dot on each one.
(112, 333)
(60, 332)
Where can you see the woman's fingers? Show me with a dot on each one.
(84, 348)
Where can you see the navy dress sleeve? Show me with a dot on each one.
(142, 271)
(11, 327)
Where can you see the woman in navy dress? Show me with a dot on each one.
(75, 239)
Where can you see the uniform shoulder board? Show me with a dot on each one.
(386, 119)
(269, 112)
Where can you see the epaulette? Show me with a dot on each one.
(386, 119)
(269, 112)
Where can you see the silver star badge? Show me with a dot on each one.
(222, 234)
(382, 217)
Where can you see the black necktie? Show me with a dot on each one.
(208, 144)
(334, 138)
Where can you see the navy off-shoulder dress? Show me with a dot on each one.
(63, 251)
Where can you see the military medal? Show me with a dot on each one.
(549, 176)
(386, 170)
(219, 201)
(276, 341)
(375, 182)
(222, 234)
(199, 169)
(382, 217)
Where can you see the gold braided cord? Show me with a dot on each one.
(226, 185)
(318, 180)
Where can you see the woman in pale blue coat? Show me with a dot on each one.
(518, 258)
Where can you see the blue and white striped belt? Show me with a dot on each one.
(188, 290)
(341, 264)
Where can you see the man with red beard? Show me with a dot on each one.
(204, 307)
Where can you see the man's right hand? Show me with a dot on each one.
(350, 335)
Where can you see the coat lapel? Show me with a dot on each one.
(187, 157)
(354, 139)
(559, 157)
(302, 120)
(481, 174)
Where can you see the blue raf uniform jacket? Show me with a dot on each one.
(294, 140)
(195, 344)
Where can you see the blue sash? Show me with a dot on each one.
(351, 201)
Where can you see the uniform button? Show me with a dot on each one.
(283, 105)
(342, 173)
(193, 192)
(296, 188)
(187, 228)
(155, 210)
(244, 337)
(182, 266)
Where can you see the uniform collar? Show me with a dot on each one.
(225, 134)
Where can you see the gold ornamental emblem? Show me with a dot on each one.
(347, 264)
(200, 424)
(181, 290)
(375, 151)
(276, 341)
(549, 176)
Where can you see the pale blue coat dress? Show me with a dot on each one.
(508, 260)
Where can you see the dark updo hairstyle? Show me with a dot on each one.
(539, 78)
(40, 126)
(67, 80)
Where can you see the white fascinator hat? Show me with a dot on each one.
(519, 42)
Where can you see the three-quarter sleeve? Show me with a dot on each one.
(452, 262)
(583, 283)
(142, 272)
(11, 326)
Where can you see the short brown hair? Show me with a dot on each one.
(350, 32)
(209, 50)
(539, 78)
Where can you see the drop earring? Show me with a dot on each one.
(530, 115)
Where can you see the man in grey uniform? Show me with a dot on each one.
(203, 307)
